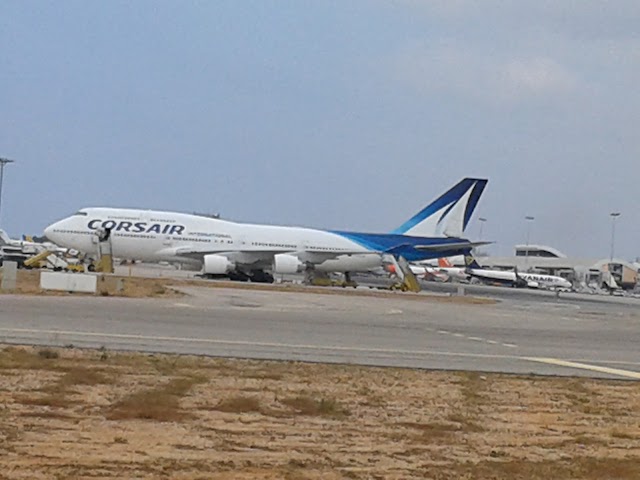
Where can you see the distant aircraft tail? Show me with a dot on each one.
(4, 238)
(449, 214)
(444, 263)
(470, 262)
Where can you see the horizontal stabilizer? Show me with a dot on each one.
(450, 246)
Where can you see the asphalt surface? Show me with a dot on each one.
(541, 334)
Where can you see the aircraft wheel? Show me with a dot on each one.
(238, 276)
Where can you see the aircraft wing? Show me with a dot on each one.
(310, 255)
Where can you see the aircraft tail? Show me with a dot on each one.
(449, 214)
(470, 262)
(444, 263)
(4, 238)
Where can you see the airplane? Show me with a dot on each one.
(26, 246)
(255, 252)
(514, 278)
(443, 272)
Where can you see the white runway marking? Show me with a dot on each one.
(476, 339)
(510, 345)
(585, 366)
(124, 336)
(186, 305)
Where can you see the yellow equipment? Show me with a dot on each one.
(48, 259)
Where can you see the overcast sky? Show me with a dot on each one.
(332, 114)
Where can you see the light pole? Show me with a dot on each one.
(613, 215)
(529, 220)
(3, 162)
(481, 220)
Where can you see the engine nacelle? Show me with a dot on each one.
(287, 264)
(217, 265)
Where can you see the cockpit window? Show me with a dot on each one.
(80, 214)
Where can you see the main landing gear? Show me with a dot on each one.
(255, 276)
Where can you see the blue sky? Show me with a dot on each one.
(333, 114)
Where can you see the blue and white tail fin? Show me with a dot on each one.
(449, 214)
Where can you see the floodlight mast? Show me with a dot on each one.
(3, 162)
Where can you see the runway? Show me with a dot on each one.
(556, 336)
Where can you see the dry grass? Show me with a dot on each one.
(156, 416)
(431, 431)
(161, 403)
(239, 404)
(627, 435)
(324, 407)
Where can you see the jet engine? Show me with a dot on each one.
(286, 264)
(217, 265)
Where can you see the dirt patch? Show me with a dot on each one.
(92, 413)
(28, 282)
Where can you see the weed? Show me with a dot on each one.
(48, 354)
(238, 404)
(120, 440)
(104, 356)
(432, 430)
(161, 404)
(587, 440)
(306, 405)
(58, 400)
(47, 414)
(624, 435)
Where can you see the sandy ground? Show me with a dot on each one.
(97, 414)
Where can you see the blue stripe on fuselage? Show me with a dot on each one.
(403, 245)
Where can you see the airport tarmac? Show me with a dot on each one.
(556, 336)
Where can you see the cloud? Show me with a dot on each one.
(482, 75)
(538, 76)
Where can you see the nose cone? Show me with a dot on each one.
(52, 232)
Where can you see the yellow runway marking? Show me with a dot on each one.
(585, 366)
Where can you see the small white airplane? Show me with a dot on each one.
(9, 245)
(249, 252)
(514, 278)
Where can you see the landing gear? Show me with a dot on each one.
(260, 276)
(238, 276)
(347, 280)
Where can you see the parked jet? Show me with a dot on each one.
(514, 278)
(245, 251)
(27, 246)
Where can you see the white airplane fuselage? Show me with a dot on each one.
(531, 280)
(154, 236)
